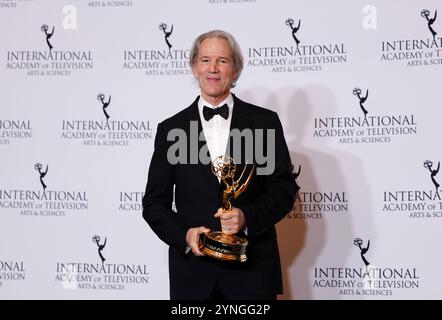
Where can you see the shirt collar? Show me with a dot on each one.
(228, 100)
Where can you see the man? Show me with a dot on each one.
(217, 62)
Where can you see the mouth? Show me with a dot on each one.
(212, 79)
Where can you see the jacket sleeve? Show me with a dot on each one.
(281, 188)
(157, 200)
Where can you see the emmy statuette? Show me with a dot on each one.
(217, 244)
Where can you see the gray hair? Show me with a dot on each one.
(238, 60)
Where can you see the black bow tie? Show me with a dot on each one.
(223, 111)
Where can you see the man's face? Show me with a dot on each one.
(213, 67)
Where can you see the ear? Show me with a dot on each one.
(194, 70)
(235, 75)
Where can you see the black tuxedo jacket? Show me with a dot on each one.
(198, 193)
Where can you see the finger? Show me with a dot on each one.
(219, 212)
(196, 246)
(203, 230)
(229, 232)
(196, 251)
(229, 225)
(234, 221)
(227, 215)
(234, 213)
(224, 223)
(227, 229)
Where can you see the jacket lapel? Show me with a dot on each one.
(242, 118)
(192, 114)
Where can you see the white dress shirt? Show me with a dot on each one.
(216, 130)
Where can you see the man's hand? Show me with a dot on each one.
(192, 239)
(231, 221)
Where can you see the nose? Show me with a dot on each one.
(213, 68)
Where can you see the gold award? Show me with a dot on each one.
(217, 244)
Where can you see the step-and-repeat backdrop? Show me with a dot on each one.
(83, 85)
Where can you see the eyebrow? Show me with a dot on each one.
(222, 57)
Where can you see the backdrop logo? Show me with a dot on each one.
(433, 172)
(301, 57)
(167, 34)
(426, 14)
(158, 60)
(100, 275)
(357, 92)
(314, 204)
(38, 166)
(367, 280)
(51, 62)
(295, 175)
(47, 202)
(14, 130)
(112, 133)
(96, 239)
(11, 271)
(48, 35)
(373, 128)
(358, 243)
(415, 52)
(131, 201)
(417, 203)
(291, 23)
(105, 104)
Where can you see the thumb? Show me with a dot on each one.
(219, 212)
(204, 230)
